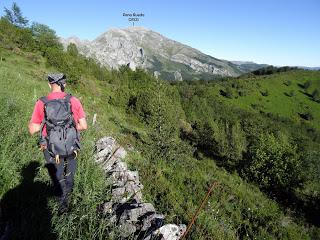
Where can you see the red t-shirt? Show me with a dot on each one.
(38, 111)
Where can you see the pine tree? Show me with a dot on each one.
(15, 17)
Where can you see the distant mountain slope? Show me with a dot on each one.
(244, 66)
(141, 47)
(309, 68)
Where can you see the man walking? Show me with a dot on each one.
(59, 117)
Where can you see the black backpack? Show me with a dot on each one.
(62, 138)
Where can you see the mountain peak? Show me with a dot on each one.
(138, 28)
(137, 46)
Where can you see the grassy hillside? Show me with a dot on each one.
(22, 83)
(282, 94)
(176, 188)
(185, 136)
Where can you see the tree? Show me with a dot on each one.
(45, 37)
(12, 36)
(15, 17)
(72, 50)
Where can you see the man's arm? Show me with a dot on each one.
(78, 114)
(82, 124)
(36, 118)
(34, 127)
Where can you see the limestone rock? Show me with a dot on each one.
(171, 231)
(177, 76)
(138, 47)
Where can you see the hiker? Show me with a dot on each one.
(59, 117)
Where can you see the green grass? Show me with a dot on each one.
(236, 208)
(233, 208)
(22, 84)
(277, 102)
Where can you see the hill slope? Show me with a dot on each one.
(248, 66)
(233, 209)
(281, 94)
(185, 136)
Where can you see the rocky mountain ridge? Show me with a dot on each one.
(138, 47)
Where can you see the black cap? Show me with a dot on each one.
(56, 77)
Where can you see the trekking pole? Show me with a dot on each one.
(213, 185)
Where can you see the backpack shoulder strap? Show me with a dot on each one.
(68, 97)
(42, 140)
(44, 99)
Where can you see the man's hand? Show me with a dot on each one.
(82, 124)
(34, 127)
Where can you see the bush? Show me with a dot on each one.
(288, 83)
(290, 94)
(307, 84)
(316, 95)
(220, 139)
(273, 163)
(265, 93)
(72, 50)
(226, 93)
(306, 116)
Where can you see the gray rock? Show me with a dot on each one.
(156, 74)
(138, 47)
(119, 166)
(107, 164)
(177, 76)
(136, 211)
(120, 153)
(107, 208)
(126, 229)
(133, 187)
(170, 231)
(103, 155)
(120, 178)
(155, 220)
(105, 142)
(113, 219)
(118, 194)
(126, 209)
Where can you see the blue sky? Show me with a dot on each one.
(282, 32)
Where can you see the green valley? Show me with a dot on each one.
(256, 136)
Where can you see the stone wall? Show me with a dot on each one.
(134, 218)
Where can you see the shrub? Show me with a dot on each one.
(221, 139)
(72, 50)
(273, 163)
(226, 93)
(316, 95)
(290, 94)
(265, 93)
(288, 83)
(306, 116)
(307, 84)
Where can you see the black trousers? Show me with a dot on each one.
(62, 175)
